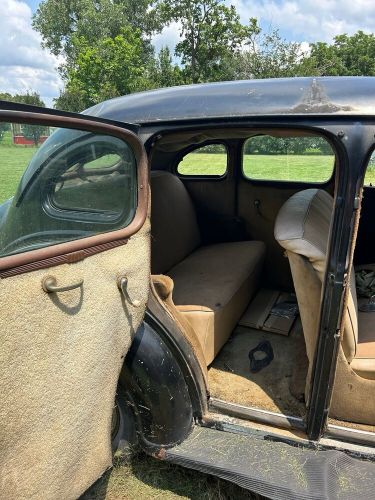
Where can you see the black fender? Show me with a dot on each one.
(157, 390)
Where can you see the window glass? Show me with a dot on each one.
(299, 159)
(205, 161)
(61, 185)
(370, 172)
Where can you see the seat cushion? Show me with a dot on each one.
(175, 232)
(213, 287)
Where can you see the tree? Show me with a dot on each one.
(61, 22)
(32, 98)
(4, 127)
(73, 100)
(162, 72)
(210, 32)
(109, 68)
(33, 132)
(268, 55)
(348, 55)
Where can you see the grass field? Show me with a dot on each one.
(14, 160)
(303, 168)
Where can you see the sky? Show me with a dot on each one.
(24, 65)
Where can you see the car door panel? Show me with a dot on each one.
(60, 358)
(60, 361)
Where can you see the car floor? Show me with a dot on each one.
(271, 388)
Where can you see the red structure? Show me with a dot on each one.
(20, 140)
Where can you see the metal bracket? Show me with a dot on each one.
(122, 283)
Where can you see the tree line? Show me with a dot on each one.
(106, 48)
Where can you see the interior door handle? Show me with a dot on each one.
(49, 285)
(122, 283)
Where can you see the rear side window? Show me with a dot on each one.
(209, 160)
(298, 159)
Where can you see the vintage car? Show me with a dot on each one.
(190, 271)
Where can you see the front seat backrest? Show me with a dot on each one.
(302, 228)
(174, 226)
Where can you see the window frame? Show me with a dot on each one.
(74, 250)
(283, 182)
(194, 147)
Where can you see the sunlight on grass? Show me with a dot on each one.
(14, 161)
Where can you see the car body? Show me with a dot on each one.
(282, 171)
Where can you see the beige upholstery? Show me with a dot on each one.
(222, 279)
(302, 228)
(60, 359)
(212, 284)
(162, 290)
(175, 232)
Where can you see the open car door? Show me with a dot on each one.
(74, 281)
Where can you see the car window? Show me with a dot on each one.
(370, 172)
(62, 185)
(299, 159)
(209, 160)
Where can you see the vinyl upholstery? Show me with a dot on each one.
(212, 284)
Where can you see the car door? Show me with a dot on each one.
(74, 281)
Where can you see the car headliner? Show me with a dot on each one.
(286, 96)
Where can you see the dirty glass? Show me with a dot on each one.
(298, 159)
(209, 160)
(58, 185)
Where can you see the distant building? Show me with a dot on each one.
(20, 140)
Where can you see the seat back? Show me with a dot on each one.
(302, 228)
(174, 227)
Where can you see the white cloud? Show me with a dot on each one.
(311, 20)
(24, 65)
(170, 36)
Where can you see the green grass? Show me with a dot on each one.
(303, 168)
(145, 478)
(203, 164)
(14, 161)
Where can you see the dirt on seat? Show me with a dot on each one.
(272, 388)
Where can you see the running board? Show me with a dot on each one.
(275, 469)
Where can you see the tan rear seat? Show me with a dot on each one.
(212, 284)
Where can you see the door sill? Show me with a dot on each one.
(256, 415)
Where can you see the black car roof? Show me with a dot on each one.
(320, 96)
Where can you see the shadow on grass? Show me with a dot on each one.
(144, 477)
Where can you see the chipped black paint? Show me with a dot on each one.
(277, 96)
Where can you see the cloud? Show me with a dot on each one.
(24, 65)
(170, 36)
(311, 20)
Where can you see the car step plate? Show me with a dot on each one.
(275, 469)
